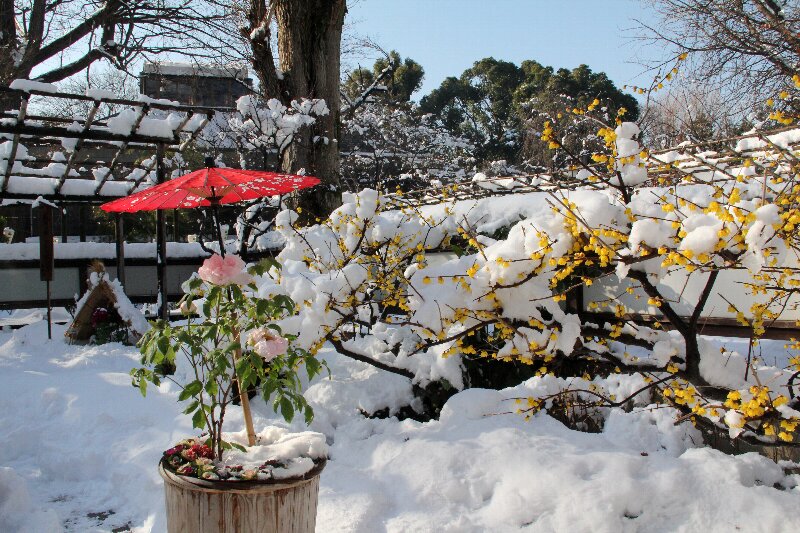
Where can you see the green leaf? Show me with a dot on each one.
(312, 367)
(267, 388)
(262, 306)
(458, 250)
(207, 332)
(287, 409)
(285, 302)
(246, 377)
(192, 407)
(162, 344)
(198, 420)
(233, 346)
(263, 266)
(191, 389)
(242, 365)
(194, 283)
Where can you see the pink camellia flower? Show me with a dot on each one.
(267, 344)
(224, 271)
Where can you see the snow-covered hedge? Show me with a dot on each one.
(366, 281)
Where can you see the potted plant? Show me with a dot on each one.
(230, 344)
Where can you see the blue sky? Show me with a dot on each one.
(447, 36)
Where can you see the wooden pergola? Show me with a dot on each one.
(115, 148)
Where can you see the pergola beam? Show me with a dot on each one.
(12, 156)
(134, 127)
(179, 149)
(74, 153)
(61, 132)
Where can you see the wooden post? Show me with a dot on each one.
(119, 234)
(161, 240)
(64, 232)
(82, 219)
(46, 256)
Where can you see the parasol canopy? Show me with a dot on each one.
(210, 186)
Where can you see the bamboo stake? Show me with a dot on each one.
(243, 398)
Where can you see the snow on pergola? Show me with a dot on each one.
(704, 161)
(59, 158)
(91, 159)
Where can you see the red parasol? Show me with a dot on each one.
(210, 187)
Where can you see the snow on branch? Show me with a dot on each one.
(421, 289)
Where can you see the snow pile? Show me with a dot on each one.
(127, 311)
(275, 443)
(784, 139)
(473, 469)
(125, 123)
(86, 444)
(629, 163)
(497, 184)
(295, 451)
(340, 273)
(99, 94)
(32, 85)
(16, 511)
(170, 68)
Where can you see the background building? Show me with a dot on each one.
(190, 84)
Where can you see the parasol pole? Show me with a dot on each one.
(214, 199)
(215, 216)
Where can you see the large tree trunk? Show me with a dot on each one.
(9, 45)
(8, 40)
(309, 45)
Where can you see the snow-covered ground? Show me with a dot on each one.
(79, 447)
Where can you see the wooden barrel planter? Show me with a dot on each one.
(273, 506)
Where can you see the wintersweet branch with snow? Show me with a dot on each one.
(367, 280)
